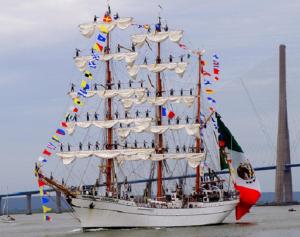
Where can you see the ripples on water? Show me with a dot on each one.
(261, 222)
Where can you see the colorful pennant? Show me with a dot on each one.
(51, 146)
(209, 91)
(41, 183)
(60, 131)
(47, 218)
(84, 85)
(92, 64)
(42, 159)
(216, 71)
(64, 124)
(101, 38)
(82, 93)
(55, 138)
(211, 99)
(88, 74)
(77, 101)
(107, 18)
(103, 29)
(164, 111)
(47, 153)
(98, 47)
(95, 56)
(45, 200)
(46, 209)
(171, 114)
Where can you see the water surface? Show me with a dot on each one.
(261, 222)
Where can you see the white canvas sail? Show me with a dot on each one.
(122, 155)
(174, 36)
(88, 29)
(141, 123)
(178, 68)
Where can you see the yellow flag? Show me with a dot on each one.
(88, 74)
(77, 101)
(83, 84)
(103, 29)
(41, 191)
(46, 209)
(209, 91)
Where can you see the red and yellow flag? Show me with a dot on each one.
(107, 18)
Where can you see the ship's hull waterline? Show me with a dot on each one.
(101, 213)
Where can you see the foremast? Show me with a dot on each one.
(109, 131)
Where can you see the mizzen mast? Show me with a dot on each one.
(198, 140)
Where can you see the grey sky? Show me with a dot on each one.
(37, 45)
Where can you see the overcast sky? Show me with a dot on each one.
(38, 38)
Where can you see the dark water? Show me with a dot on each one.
(261, 222)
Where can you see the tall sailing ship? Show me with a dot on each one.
(149, 135)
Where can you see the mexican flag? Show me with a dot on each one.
(232, 157)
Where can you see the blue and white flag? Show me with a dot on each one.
(92, 64)
(211, 99)
(95, 56)
(42, 159)
(206, 82)
(82, 93)
(101, 38)
(51, 146)
(215, 56)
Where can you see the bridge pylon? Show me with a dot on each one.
(283, 186)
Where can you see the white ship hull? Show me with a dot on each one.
(122, 214)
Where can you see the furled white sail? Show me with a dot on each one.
(122, 155)
(191, 129)
(179, 68)
(81, 62)
(130, 154)
(193, 159)
(158, 101)
(129, 57)
(123, 93)
(88, 29)
(140, 124)
(174, 36)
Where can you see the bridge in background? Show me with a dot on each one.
(29, 194)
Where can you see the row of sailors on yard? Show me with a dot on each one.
(148, 92)
(126, 145)
(95, 116)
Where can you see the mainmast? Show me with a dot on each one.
(198, 140)
(159, 138)
(108, 117)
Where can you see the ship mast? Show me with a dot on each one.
(198, 140)
(108, 117)
(159, 138)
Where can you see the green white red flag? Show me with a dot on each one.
(233, 158)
